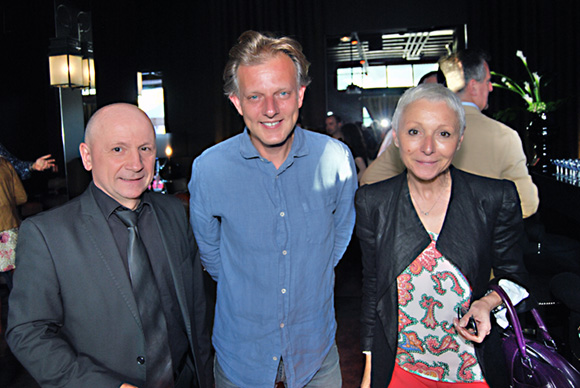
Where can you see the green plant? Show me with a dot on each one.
(528, 90)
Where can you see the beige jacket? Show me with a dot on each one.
(12, 194)
(489, 148)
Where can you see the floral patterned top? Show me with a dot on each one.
(431, 289)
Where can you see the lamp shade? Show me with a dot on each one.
(66, 70)
(65, 63)
(89, 73)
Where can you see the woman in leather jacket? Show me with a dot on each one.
(430, 238)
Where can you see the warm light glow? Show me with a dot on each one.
(168, 151)
(92, 83)
(139, 83)
(353, 42)
(88, 76)
(66, 70)
(345, 39)
(86, 73)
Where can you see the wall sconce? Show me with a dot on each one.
(88, 66)
(70, 57)
(65, 63)
(89, 73)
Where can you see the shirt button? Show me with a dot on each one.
(281, 325)
(284, 252)
(140, 360)
(275, 358)
(283, 290)
(282, 214)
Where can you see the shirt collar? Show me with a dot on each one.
(108, 205)
(299, 147)
(466, 103)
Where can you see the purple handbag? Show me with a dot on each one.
(532, 363)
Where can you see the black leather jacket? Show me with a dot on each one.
(483, 229)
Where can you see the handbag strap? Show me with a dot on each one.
(543, 330)
(513, 318)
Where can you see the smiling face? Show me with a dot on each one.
(269, 100)
(428, 137)
(120, 152)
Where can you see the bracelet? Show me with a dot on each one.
(496, 309)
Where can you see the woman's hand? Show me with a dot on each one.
(366, 380)
(480, 310)
(43, 163)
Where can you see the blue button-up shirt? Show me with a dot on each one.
(271, 239)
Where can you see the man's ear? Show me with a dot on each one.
(85, 152)
(395, 139)
(236, 101)
(301, 91)
(471, 88)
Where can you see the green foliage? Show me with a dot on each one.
(528, 90)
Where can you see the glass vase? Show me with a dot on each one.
(539, 133)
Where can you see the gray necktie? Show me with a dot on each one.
(158, 356)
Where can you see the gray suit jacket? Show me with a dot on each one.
(73, 319)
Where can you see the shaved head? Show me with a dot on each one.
(110, 111)
(119, 150)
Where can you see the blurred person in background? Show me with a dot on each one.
(25, 168)
(12, 194)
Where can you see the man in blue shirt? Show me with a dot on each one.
(272, 211)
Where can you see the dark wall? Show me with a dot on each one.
(189, 42)
(367, 16)
(30, 125)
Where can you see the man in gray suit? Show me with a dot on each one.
(76, 319)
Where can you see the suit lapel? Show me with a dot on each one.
(405, 240)
(410, 236)
(97, 230)
(458, 239)
(166, 230)
(404, 236)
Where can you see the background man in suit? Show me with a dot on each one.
(76, 318)
(489, 147)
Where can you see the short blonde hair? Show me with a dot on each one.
(254, 48)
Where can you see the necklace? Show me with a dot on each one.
(432, 206)
(434, 203)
